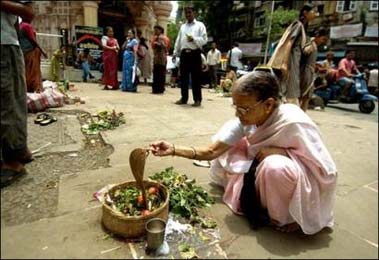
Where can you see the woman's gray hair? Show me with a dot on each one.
(261, 84)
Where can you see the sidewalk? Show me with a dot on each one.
(75, 231)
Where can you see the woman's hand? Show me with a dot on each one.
(162, 148)
(270, 150)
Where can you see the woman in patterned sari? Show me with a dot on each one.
(130, 48)
(289, 52)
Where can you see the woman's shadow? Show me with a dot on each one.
(273, 241)
(277, 242)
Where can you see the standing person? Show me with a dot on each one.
(191, 38)
(32, 56)
(204, 78)
(329, 67)
(57, 61)
(14, 153)
(175, 77)
(270, 160)
(308, 71)
(346, 70)
(226, 82)
(129, 62)
(234, 58)
(110, 59)
(161, 45)
(372, 83)
(288, 53)
(213, 60)
(144, 59)
(85, 59)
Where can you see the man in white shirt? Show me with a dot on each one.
(191, 38)
(234, 58)
(213, 59)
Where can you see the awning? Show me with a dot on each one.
(362, 44)
(371, 31)
(250, 49)
(346, 31)
(337, 54)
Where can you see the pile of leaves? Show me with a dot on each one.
(186, 251)
(104, 120)
(185, 196)
(129, 201)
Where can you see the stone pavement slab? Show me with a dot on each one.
(76, 235)
(64, 135)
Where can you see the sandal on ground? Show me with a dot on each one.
(48, 120)
(205, 164)
(40, 118)
(8, 176)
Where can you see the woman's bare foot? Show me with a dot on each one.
(292, 227)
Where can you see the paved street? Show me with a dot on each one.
(75, 231)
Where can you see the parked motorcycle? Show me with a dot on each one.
(358, 94)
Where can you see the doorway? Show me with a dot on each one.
(118, 18)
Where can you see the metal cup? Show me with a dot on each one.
(155, 231)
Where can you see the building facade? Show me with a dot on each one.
(348, 22)
(254, 14)
(55, 21)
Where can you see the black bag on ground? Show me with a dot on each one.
(250, 202)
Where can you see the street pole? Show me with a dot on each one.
(269, 31)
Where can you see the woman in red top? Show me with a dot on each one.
(110, 60)
(32, 56)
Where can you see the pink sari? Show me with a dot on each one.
(300, 188)
(110, 63)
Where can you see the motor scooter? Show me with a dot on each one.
(358, 93)
(243, 71)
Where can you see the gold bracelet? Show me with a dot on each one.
(194, 152)
(173, 149)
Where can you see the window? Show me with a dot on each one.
(260, 19)
(62, 7)
(373, 5)
(345, 6)
(320, 9)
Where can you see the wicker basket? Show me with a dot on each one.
(133, 227)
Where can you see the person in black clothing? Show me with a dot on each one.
(191, 37)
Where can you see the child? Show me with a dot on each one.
(227, 83)
(85, 59)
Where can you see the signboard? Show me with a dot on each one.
(371, 31)
(346, 31)
(88, 37)
(250, 49)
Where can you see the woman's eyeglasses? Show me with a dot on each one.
(244, 110)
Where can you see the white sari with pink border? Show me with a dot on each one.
(311, 204)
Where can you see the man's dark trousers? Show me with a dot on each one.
(190, 63)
